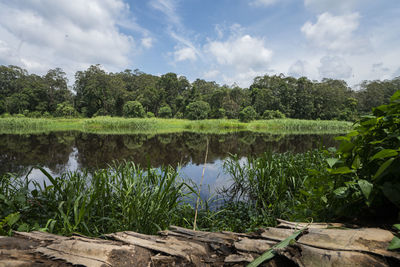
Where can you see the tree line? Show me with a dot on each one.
(138, 94)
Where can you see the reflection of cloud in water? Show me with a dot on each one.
(214, 177)
(72, 165)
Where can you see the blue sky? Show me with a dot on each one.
(229, 41)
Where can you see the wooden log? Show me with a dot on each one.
(321, 245)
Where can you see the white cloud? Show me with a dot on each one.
(243, 52)
(71, 34)
(186, 53)
(331, 5)
(334, 67)
(297, 69)
(263, 2)
(168, 8)
(238, 59)
(211, 74)
(147, 42)
(335, 33)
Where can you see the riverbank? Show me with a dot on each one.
(118, 125)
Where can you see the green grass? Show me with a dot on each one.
(117, 125)
(119, 198)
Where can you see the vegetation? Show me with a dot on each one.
(23, 125)
(98, 93)
(119, 198)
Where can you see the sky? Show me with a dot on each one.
(227, 41)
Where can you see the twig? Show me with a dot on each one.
(201, 182)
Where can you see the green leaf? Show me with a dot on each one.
(356, 163)
(12, 218)
(270, 253)
(341, 191)
(331, 161)
(366, 187)
(395, 96)
(385, 153)
(342, 170)
(397, 226)
(382, 168)
(394, 244)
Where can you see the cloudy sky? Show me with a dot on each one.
(223, 40)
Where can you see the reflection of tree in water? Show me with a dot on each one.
(97, 151)
(18, 152)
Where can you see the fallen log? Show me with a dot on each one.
(320, 245)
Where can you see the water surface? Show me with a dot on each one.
(70, 151)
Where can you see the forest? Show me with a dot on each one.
(136, 94)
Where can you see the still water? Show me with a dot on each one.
(73, 151)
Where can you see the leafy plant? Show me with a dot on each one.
(367, 163)
(395, 243)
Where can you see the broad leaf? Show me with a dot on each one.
(341, 191)
(385, 153)
(366, 187)
(331, 161)
(342, 170)
(382, 168)
(395, 243)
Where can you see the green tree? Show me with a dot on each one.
(165, 112)
(133, 109)
(247, 114)
(198, 110)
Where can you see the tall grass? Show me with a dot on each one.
(122, 197)
(270, 187)
(118, 125)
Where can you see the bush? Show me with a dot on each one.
(150, 114)
(165, 112)
(273, 114)
(219, 113)
(197, 110)
(133, 109)
(247, 114)
(367, 164)
(179, 115)
(65, 110)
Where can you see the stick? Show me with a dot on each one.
(201, 183)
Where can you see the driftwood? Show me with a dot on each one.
(320, 245)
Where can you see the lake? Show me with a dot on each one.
(73, 151)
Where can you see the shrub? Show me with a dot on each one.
(165, 112)
(65, 109)
(247, 114)
(150, 114)
(273, 114)
(197, 110)
(368, 163)
(133, 109)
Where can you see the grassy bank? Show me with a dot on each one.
(115, 125)
(128, 197)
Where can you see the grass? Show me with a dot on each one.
(122, 197)
(117, 125)
(127, 197)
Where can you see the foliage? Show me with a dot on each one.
(65, 109)
(271, 190)
(367, 164)
(273, 114)
(133, 109)
(122, 197)
(247, 114)
(165, 112)
(395, 243)
(150, 114)
(197, 110)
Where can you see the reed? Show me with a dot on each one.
(117, 125)
(122, 197)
